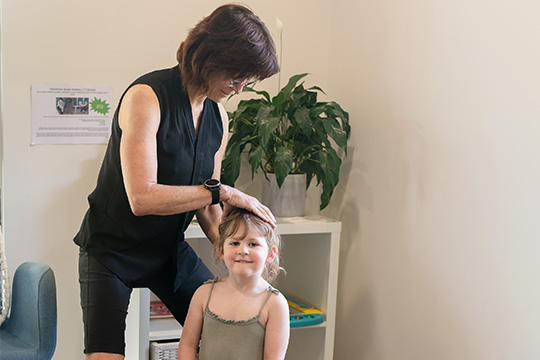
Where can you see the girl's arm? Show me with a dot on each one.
(277, 329)
(191, 332)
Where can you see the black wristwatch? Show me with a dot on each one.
(213, 185)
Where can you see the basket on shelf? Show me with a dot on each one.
(163, 351)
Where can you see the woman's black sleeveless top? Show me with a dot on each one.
(136, 247)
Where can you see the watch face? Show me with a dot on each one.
(212, 182)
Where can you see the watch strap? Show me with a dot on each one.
(215, 195)
(213, 186)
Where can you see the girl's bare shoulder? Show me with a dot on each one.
(202, 293)
(278, 299)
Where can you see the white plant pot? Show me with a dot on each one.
(290, 199)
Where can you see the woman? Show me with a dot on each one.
(161, 168)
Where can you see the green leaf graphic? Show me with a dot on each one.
(99, 106)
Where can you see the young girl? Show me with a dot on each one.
(241, 316)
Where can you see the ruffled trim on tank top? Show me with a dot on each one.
(233, 322)
(236, 322)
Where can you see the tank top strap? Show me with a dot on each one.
(271, 290)
(213, 281)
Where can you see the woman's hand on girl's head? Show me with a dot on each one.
(236, 199)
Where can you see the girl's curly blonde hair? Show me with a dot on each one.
(233, 223)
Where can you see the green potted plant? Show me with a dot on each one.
(290, 133)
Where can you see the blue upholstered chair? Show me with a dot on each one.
(30, 330)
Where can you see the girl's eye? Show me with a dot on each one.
(234, 243)
(253, 244)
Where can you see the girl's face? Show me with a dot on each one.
(246, 255)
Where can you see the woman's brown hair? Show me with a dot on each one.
(232, 42)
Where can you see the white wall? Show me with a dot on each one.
(440, 250)
(99, 42)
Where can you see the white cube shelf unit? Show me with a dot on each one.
(311, 260)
